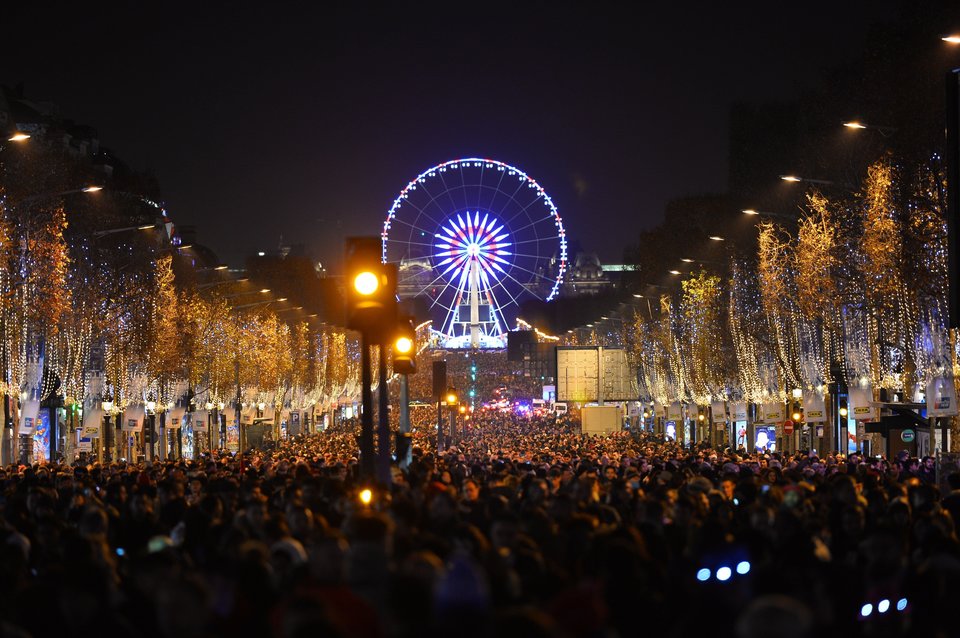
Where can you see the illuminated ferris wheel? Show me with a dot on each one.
(474, 238)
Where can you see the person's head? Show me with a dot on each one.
(471, 490)
(728, 486)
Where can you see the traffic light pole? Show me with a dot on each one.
(383, 423)
(439, 426)
(405, 459)
(366, 418)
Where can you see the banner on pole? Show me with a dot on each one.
(29, 410)
(92, 420)
(941, 397)
(772, 412)
(718, 412)
(200, 419)
(860, 399)
(133, 417)
(674, 411)
(738, 411)
(814, 409)
(174, 419)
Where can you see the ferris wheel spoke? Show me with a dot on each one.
(525, 207)
(424, 232)
(408, 243)
(426, 287)
(432, 198)
(535, 222)
(419, 209)
(513, 299)
(527, 270)
(535, 241)
(412, 225)
(449, 191)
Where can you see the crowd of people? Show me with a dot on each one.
(523, 526)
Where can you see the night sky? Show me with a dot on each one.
(269, 120)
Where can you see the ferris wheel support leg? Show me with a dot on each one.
(474, 304)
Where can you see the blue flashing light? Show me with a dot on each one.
(743, 567)
(724, 573)
(703, 575)
(866, 610)
(883, 606)
(901, 604)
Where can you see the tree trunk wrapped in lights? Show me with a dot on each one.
(704, 329)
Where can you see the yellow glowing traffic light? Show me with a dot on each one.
(403, 345)
(405, 348)
(366, 283)
(371, 291)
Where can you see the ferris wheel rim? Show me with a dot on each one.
(476, 162)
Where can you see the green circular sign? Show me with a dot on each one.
(907, 435)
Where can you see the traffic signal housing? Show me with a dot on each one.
(405, 348)
(371, 290)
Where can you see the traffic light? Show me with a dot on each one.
(371, 290)
(405, 348)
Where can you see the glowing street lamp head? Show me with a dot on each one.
(366, 283)
(366, 495)
(854, 125)
(92, 189)
(18, 137)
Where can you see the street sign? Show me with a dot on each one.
(907, 436)
(788, 427)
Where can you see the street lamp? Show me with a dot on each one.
(765, 213)
(795, 179)
(103, 233)
(859, 126)
(952, 39)
(18, 137)
(715, 238)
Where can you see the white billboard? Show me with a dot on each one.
(591, 373)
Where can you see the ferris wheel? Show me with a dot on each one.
(475, 238)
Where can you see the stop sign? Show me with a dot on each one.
(788, 427)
